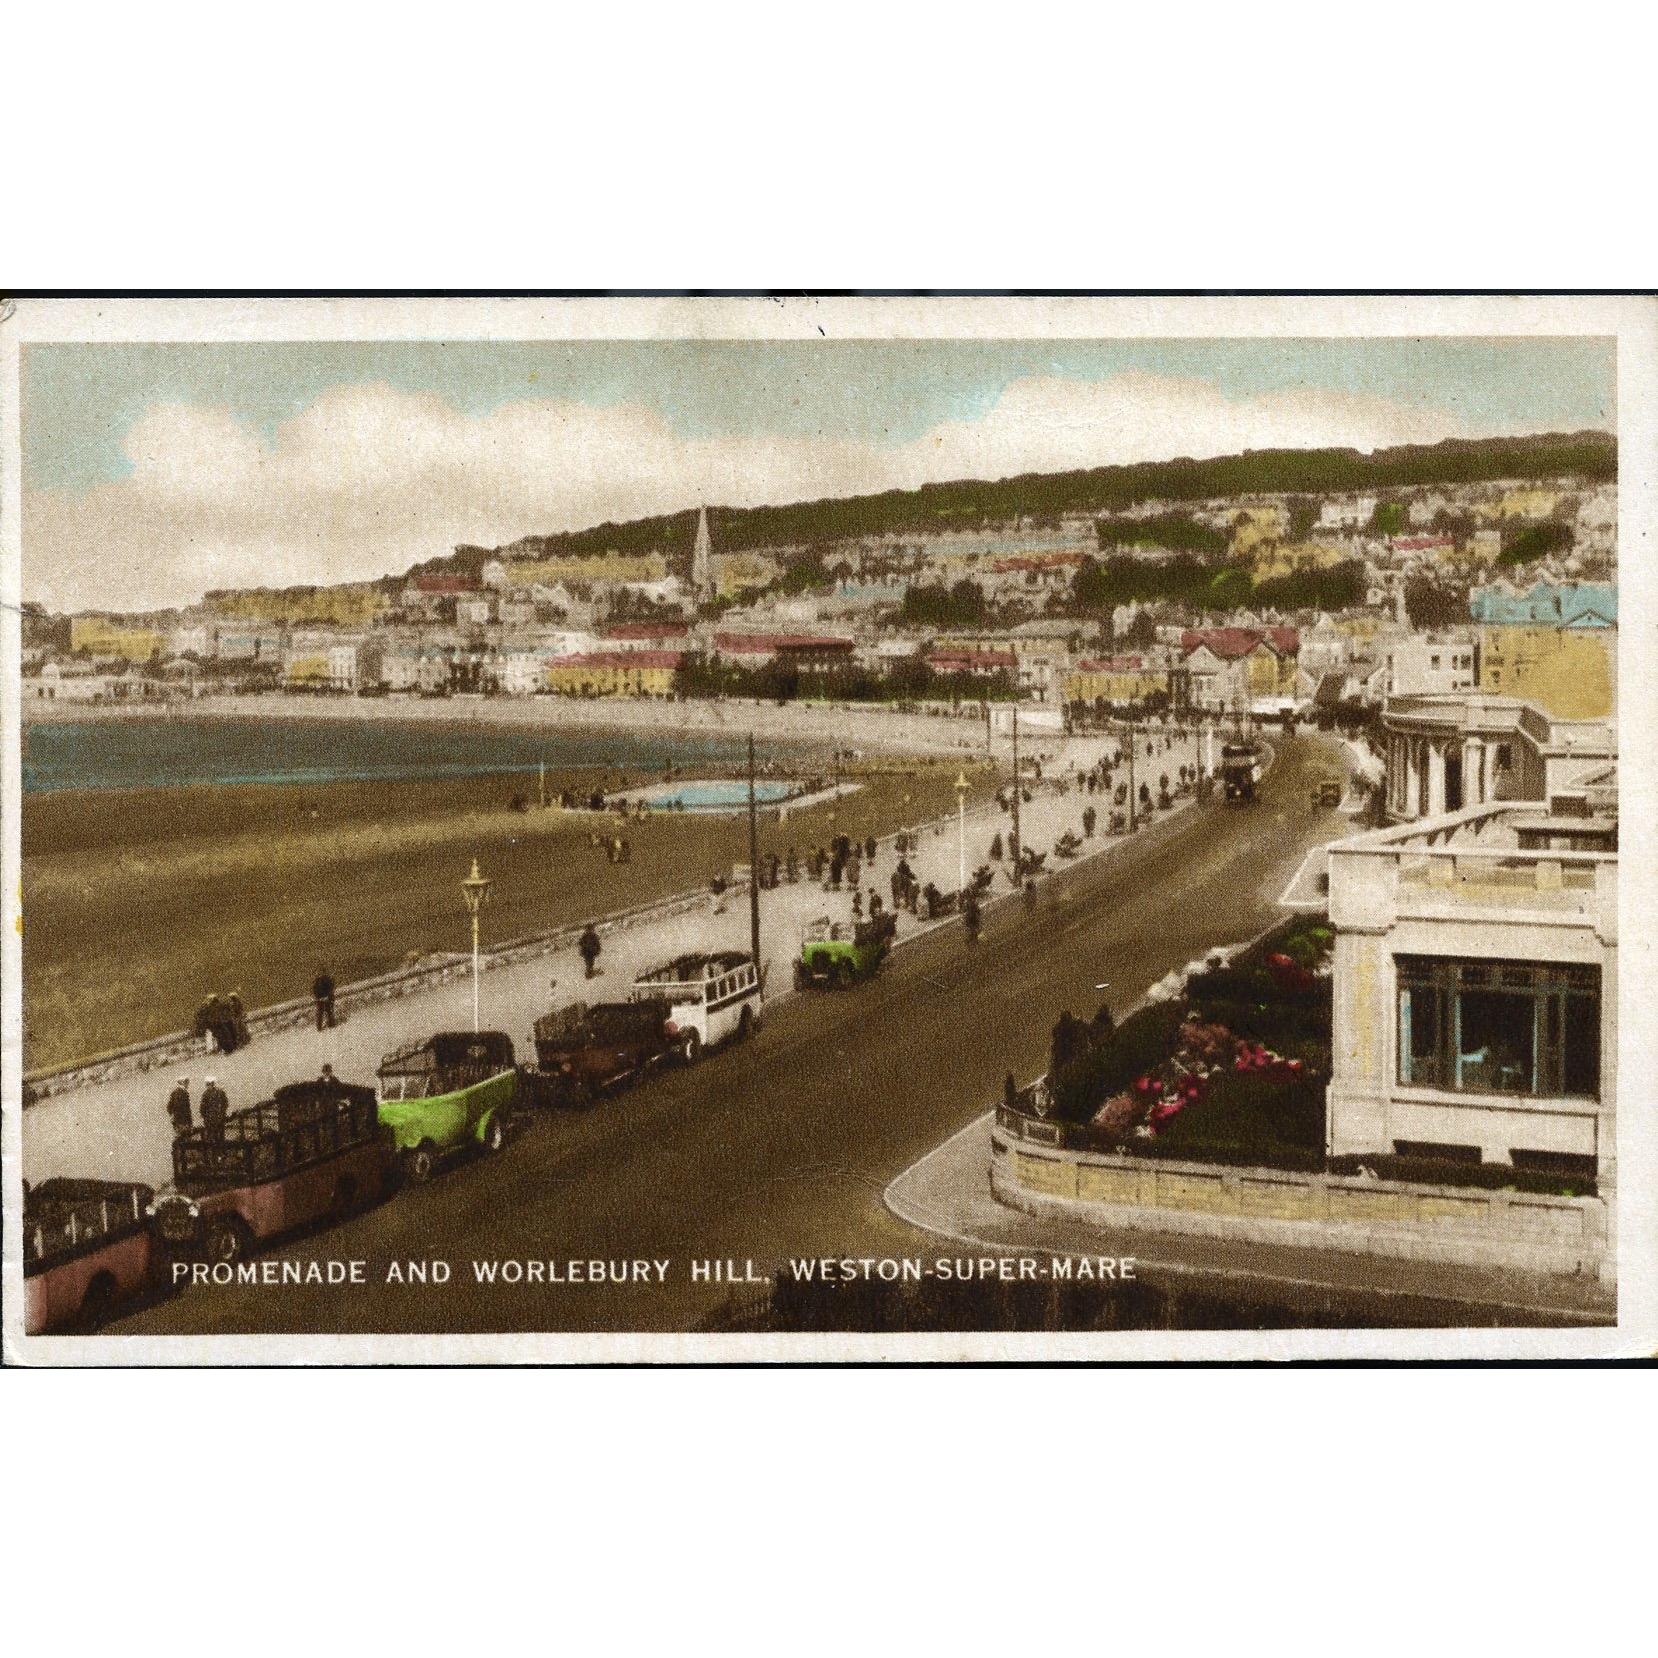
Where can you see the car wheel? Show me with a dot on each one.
(495, 1135)
(690, 1050)
(845, 975)
(745, 1024)
(419, 1163)
(226, 1240)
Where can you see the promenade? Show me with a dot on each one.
(119, 1129)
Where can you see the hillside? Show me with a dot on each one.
(969, 503)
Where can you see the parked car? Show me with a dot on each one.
(445, 1094)
(840, 953)
(713, 997)
(314, 1150)
(582, 1051)
(86, 1246)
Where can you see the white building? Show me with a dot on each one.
(1421, 665)
(1448, 752)
(1476, 986)
(1350, 512)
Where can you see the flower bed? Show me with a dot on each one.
(1234, 1069)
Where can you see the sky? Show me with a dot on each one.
(154, 472)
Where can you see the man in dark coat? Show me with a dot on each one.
(215, 1107)
(588, 947)
(322, 993)
(178, 1106)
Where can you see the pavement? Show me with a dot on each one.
(783, 1148)
(947, 1192)
(119, 1130)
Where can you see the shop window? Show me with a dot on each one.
(1497, 1027)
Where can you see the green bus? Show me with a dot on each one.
(446, 1093)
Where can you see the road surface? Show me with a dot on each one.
(783, 1148)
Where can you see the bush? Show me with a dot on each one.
(1291, 1026)
(1141, 1043)
(1248, 1113)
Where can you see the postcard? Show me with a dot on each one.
(817, 830)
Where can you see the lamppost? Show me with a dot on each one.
(961, 831)
(476, 888)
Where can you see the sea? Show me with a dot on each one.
(178, 750)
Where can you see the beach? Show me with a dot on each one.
(813, 725)
(139, 902)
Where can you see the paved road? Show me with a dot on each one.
(783, 1148)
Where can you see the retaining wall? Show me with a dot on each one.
(1461, 1225)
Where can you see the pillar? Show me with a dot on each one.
(1436, 778)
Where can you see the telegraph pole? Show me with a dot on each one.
(753, 862)
(1132, 803)
(1018, 845)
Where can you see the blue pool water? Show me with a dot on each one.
(716, 795)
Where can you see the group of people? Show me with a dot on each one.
(223, 1022)
(215, 1107)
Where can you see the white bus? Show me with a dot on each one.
(713, 997)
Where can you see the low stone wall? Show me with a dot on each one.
(1461, 1225)
(385, 987)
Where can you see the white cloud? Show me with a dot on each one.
(369, 479)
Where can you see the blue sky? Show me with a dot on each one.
(80, 401)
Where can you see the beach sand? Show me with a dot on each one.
(138, 903)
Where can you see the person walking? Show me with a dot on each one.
(322, 993)
(178, 1106)
(588, 948)
(215, 1107)
(970, 916)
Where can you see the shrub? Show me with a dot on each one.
(1247, 1113)
(1141, 1043)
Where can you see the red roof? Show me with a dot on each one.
(619, 659)
(648, 630)
(1113, 665)
(1420, 543)
(972, 659)
(1231, 643)
(733, 642)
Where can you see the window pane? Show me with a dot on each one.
(1497, 1048)
(1419, 1036)
(1583, 1045)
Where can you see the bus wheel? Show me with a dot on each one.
(98, 1302)
(495, 1135)
(227, 1240)
(345, 1198)
(419, 1162)
(745, 1024)
(690, 1050)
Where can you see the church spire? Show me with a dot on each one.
(702, 577)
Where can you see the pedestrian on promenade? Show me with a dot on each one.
(178, 1106)
(588, 948)
(857, 904)
(328, 1080)
(322, 993)
(236, 1021)
(869, 849)
(875, 904)
(215, 1107)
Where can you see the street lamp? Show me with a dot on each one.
(961, 831)
(476, 888)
